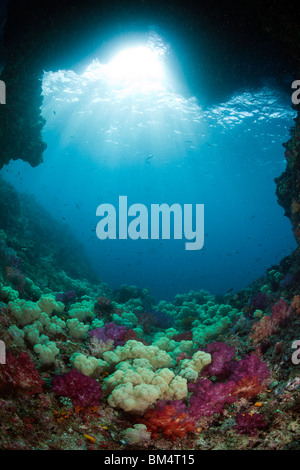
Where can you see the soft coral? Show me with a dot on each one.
(249, 423)
(82, 390)
(171, 420)
(20, 374)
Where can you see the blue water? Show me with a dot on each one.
(100, 136)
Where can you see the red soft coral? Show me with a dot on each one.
(248, 387)
(172, 421)
(20, 373)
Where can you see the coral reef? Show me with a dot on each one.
(69, 366)
(89, 367)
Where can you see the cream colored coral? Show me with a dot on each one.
(24, 311)
(48, 304)
(33, 333)
(133, 399)
(127, 319)
(82, 310)
(134, 350)
(47, 352)
(8, 293)
(17, 335)
(134, 388)
(52, 325)
(191, 368)
(138, 434)
(88, 365)
(77, 329)
(164, 343)
(186, 346)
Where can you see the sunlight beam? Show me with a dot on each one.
(138, 66)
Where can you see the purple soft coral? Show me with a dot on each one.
(245, 377)
(67, 297)
(222, 357)
(82, 390)
(209, 398)
(111, 331)
(249, 423)
(250, 366)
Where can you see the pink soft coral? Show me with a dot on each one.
(82, 390)
(269, 325)
(263, 329)
(280, 311)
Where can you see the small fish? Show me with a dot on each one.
(124, 441)
(229, 290)
(149, 158)
(54, 112)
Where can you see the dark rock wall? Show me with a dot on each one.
(288, 184)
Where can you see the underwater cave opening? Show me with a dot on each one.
(108, 137)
